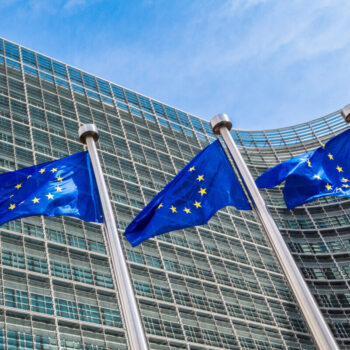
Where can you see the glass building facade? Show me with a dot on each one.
(217, 286)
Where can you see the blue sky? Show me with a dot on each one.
(266, 63)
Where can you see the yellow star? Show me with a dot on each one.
(340, 169)
(192, 169)
(188, 211)
(58, 189)
(329, 187)
(59, 178)
(41, 171)
(330, 156)
(173, 209)
(160, 206)
(344, 179)
(49, 196)
(12, 206)
(318, 177)
(200, 178)
(323, 146)
(35, 200)
(29, 176)
(202, 191)
(309, 164)
(53, 170)
(345, 185)
(18, 186)
(197, 204)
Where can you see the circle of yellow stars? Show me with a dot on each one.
(36, 200)
(197, 204)
(328, 186)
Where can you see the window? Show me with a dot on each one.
(41, 303)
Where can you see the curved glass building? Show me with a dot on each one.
(216, 286)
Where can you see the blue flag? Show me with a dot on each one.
(322, 172)
(63, 187)
(206, 184)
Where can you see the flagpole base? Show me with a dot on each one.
(88, 130)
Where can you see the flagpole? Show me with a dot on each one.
(88, 134)
(323, 337)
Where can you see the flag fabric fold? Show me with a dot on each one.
(280, 172)
(310, 176)
(205, 185)
(62, 187)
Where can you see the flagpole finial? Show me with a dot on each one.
(345, 112)
(219, 121)
(88, 130)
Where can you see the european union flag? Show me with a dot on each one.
(206, 184)
(322, 172)
(63, 187)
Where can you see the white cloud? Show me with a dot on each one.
(301, 30)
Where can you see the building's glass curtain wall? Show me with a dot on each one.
(217, 286)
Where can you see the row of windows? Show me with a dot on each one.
(198, 265)
(197, 328)
(336, 246)
(203, 328)
(54, 232)
(58, 269)
(308, 223)
(45, 340)
(64, 308)
(288, 137)
(327, 273)
(263, 339)
(200, 294)
(32, 227)
(334, 299)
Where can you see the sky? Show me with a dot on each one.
(266, 63)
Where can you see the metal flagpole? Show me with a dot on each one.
(88, 134)
(324, 339)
